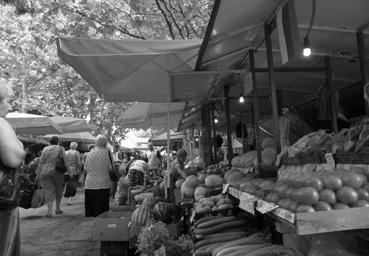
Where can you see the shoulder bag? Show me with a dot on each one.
(112, 173)
(60, 165)
(9, 184)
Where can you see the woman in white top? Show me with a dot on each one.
(11, 155)
(97, 184)
(73, 160)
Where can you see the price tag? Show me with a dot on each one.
(330, 161)
(225, 188)
(284, 214)
(247, 202)
(264, 206)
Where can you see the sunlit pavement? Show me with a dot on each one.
(64, 234)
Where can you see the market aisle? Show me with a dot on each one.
(67, 234)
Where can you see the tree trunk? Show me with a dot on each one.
(206, 135)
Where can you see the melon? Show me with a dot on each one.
(149, 202)
(230, 172)
(162, 212)
(236, 176)
(179, 183)
(187, 191)
(141, 215)
(213, 181)
(268, 142)
(192, 181)
(200, 192)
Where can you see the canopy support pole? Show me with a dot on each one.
(332, 93)
(363, 66)
(214, 132)
(272, 84)
(228, 123)
(255, 108)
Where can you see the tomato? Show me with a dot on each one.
(332, 182)
(281, 189)
(322, 206)
(285, 203)
(272, 197)
(315, 183)
(290, 193)
(360, 170)
(305, 208)
(353, 179)
(292, 207)
(307, 195)
(360, 203)
(328, 196)
(340, 206)
(363, 194)
(347, 195)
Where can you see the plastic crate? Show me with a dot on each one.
(115, 248)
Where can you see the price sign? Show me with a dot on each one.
(264, 206)
(330, 161)
(284, 214)
(225, 188)
(234, 192)
(247, 202)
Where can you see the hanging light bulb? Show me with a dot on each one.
(307, 50)
(241, 99)
(216, 120)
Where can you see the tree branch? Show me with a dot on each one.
(173, 19)
(185, 23)
(170, 27)
(123, 31)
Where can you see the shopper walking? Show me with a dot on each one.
(73, 160)
(154, 161)
(50, 179)
(11, 155)
(97, 184)
(117, 160)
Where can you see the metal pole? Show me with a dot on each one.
(332, 92)
(268, 41)
(363, 66)
(214, 133)
(228, 123)
(255, 107)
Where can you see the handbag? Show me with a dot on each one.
(9, 186)
(38, 198)
(26, 195)
(70, 189)
(112, 173)
(60, 165)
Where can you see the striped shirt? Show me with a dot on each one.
(73, 160)
(97, 166)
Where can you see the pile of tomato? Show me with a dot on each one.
(323, 191)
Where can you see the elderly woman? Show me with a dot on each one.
(73, 160)
(97, 184)
(50, 179)
(11, 155)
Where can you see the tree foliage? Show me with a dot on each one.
(28, 55)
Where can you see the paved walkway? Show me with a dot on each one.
(66, 234)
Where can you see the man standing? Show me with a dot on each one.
(153, 161)
(117, 160)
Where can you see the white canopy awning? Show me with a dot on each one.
(138, 70)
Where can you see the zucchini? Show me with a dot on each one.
(206, 218)
(213, 240)
(247, 249)
(272, 250)
(253, 239)
(220, 227)
(214, 222)
(230, 232)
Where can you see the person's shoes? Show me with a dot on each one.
(58, 211)
(49, 215)
(69, 203)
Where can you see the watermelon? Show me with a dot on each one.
(162, 212)
(149, 202)
(141, 215)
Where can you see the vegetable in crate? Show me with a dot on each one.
(142, 215)
(162, 212)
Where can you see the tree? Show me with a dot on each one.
(29, 29)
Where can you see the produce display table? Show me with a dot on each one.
(305, 223)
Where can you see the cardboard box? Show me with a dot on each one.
(112, 226)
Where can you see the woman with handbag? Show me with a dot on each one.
(73, 160)
(98, 167)
(51, 175)
(11, 155)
